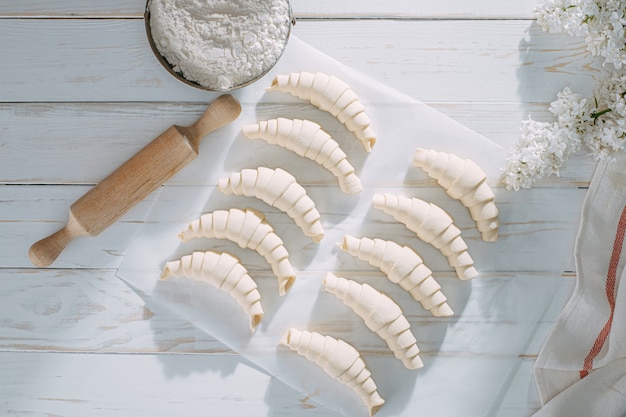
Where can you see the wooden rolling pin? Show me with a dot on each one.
(135, 179)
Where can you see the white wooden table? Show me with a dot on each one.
(80, 92)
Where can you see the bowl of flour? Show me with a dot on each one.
(218, 45)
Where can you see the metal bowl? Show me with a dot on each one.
(179, 76)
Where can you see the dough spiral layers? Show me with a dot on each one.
(224, 272)
(465, 181)
(432, 225)
(380, 314)
(279, 189)
(307, 139)
(330, 94)
(338, 359)
(403, 267)
(248, 229)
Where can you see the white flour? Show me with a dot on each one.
(220, 44)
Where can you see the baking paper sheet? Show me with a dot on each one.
(468, 358)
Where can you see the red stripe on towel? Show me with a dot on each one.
(611, 280)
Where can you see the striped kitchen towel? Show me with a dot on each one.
(581, 369)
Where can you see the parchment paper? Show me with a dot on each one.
(468, 358)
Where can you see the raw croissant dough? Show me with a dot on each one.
(330, 94)
(279, 189)
(338, 359)
(224, 272)
(307, 139)
(248, 229)
(403, 267)
(465, 181)
(432, 225)
(381, 315)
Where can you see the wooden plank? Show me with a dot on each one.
(148, 385)
(89, 311)
(32, 212)
(39, 141)
(143, 385)
(459, 60)
(449, 9)
(93, 311)
(72, 8)
(444, 61)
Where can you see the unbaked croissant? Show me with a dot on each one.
(248, 229)
(330, 94)
(307, 139)
(381, 315)
(224, 272)
(432, 225)
(403, 267)
(280, 189)
(338, 359)
(465, 181)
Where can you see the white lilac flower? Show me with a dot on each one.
(541, 151)
(597, 123)
(562, 16)
(599, 23)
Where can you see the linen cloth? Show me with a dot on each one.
(581, 370)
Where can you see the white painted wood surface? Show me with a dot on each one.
(81, 92)
(321, 9)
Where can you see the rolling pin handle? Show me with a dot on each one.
(219, 113)
(43, 252)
